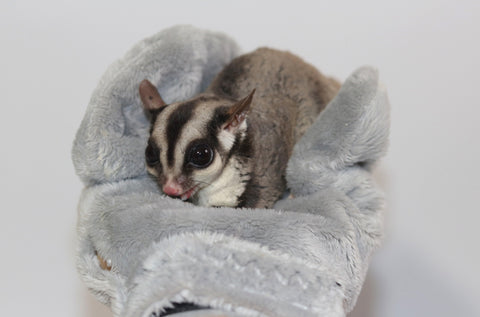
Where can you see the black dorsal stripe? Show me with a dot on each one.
(176, 123)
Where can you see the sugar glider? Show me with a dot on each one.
(229, 146)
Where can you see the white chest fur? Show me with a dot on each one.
(226, 189)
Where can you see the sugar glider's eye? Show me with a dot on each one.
(200, 155)
(152, 154)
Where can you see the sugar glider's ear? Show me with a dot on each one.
(238, 113)
(150, 97)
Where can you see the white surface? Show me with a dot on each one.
(54, 52)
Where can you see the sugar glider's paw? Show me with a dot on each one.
(104, 264)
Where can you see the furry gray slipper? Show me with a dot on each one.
(144, 254)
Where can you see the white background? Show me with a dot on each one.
(53, 53)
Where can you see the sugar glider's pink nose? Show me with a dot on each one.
(172, 188)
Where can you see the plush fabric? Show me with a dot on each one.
(306, 257)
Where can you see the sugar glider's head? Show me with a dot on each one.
(191, 142)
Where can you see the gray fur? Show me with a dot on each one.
(289, 96)
(306, 257)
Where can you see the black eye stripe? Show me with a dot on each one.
(176, 122)
(152, 153)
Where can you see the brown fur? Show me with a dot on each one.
(289, 96)
(284, 96)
